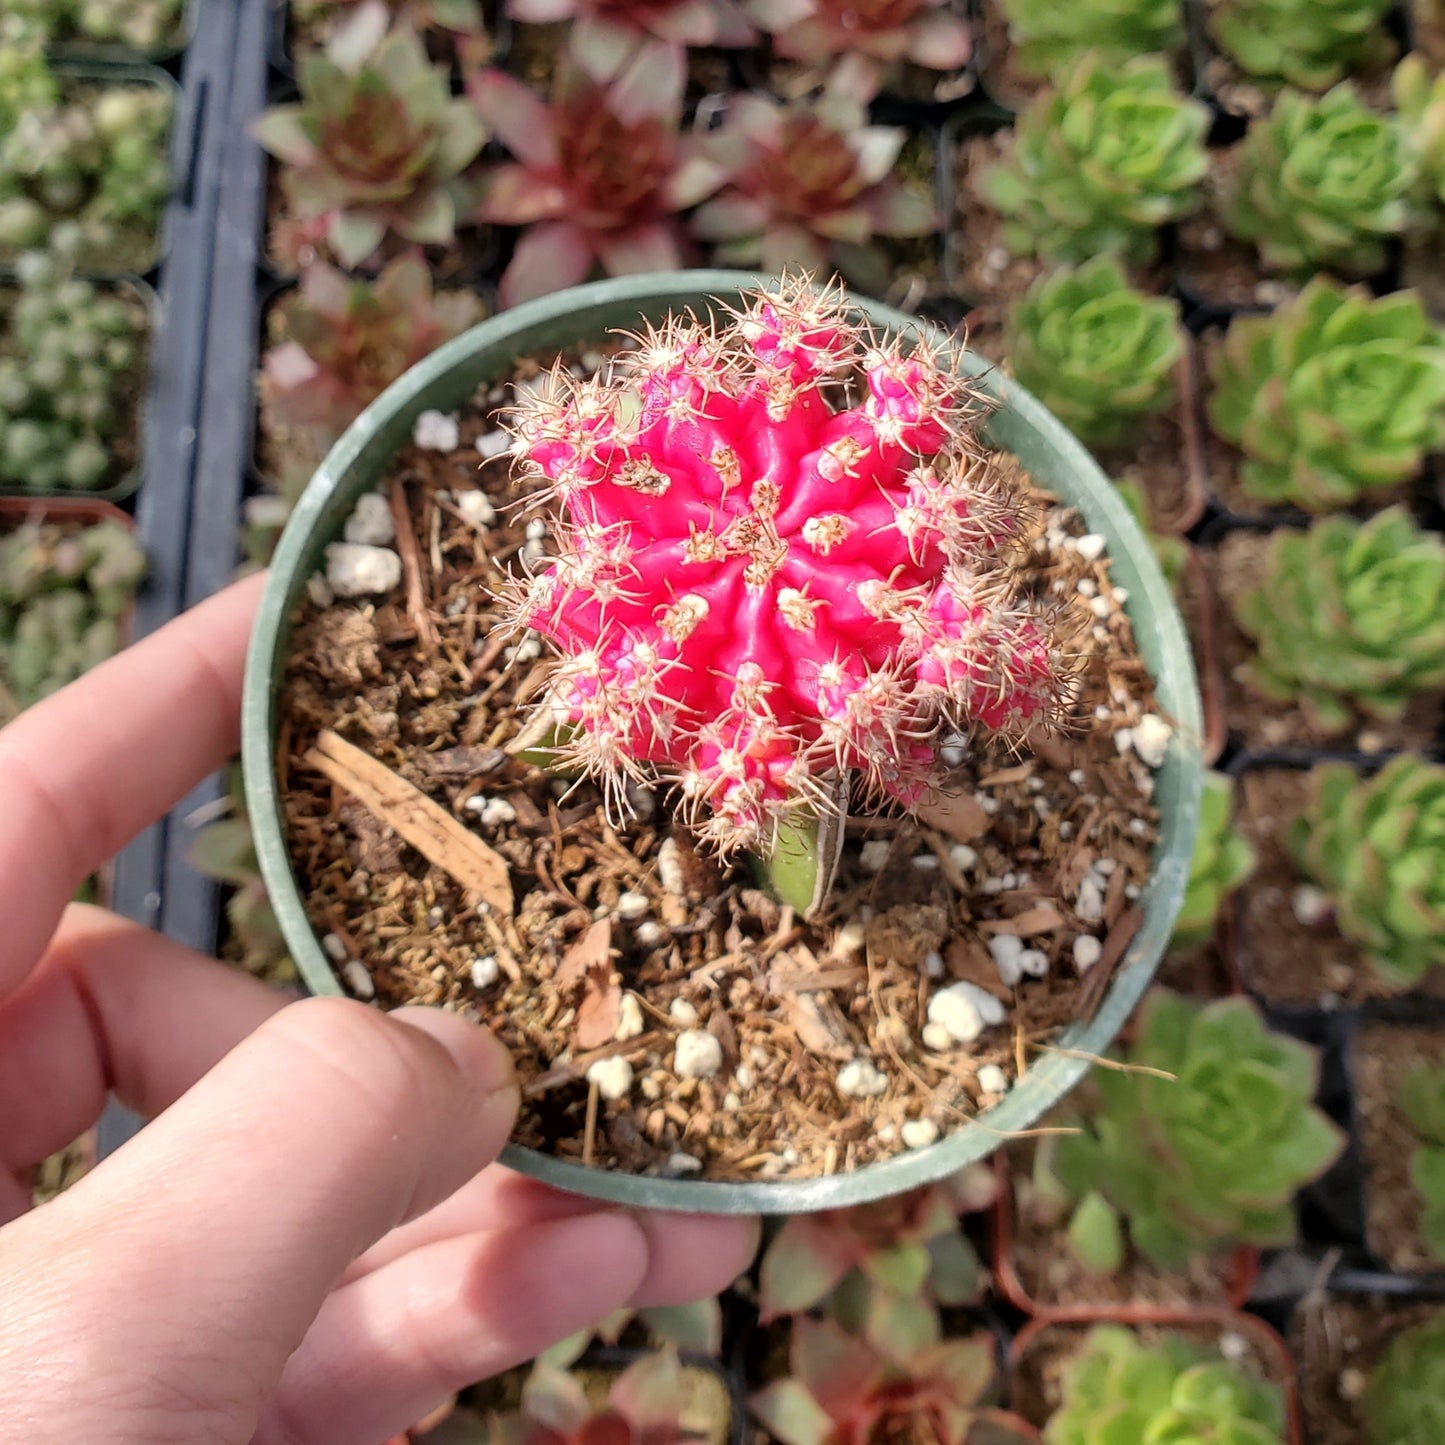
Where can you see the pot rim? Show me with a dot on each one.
(1157, 621)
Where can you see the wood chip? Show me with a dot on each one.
(1041, 918)
(960, 817)
(425, 825)
(594, 948)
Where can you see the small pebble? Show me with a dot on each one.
(356, 570)
(874, 854)
(919, 1133)
(496, 812)
(629, 1019)
(334, 946)
(477, 508)
(992, 1079)
(370, 522)
(358, 979)
(632, 906)
(682, 1013)
(859, 1079)
(1087, 951)
(435, 431)
(1151, 739)
(484, 971)
(613, 1078)
(698, 1055)
(1311, 905)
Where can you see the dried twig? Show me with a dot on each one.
(416, 608)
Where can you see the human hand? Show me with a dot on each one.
(306, 1245)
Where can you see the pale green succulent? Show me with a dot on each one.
(1047, 35)
(1348, 615)
(1096, 352)
(1206, 1149)
(1309, 43)
(1420, 101)
(1422, 1098)
(1119, 1391)
(1332, 396)
(1100, 161)
(1322, 184)
(1222, 860)
(1377, 847)
(1404, 1400)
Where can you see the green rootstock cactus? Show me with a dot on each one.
(1377, 847)
(1322, 184)
(1332, 396)
(1309, 43)
(1119, 1391)
(1096, 352)
(1222, 861)
(1422, 1098)
(1206, 1149)
(1047, 35)
(1100, 162)
(1348, 615)
(1404, 1400)
(63, 594)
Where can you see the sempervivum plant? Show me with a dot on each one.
(373, 145)
(1046, 35)
(1332, 396)
(1404, 1399)
(1222, 860)
(1100, 161)
(599, 176)
(1322, 183)
(1121, 1391)
(786, 567)
(1309, 43)
(880, 32)
(1204, 1144)
(1422, 1098)
(1348, 614)
(1420, 101)
(1377, 848)
(811, 182)
(348, 340)
(1096, 352)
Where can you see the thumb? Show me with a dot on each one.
(169, 1287)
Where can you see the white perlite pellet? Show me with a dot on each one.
(962, 857)
(334, 946)
(682, 1013)
(919, 1133)
(859, 1079)
(1151, 739)
(484, 971)
(1090, 546)
(670, 872)
(937, 1038)
(1090, 903)
(933, 963)
(1310, 904)
(370, 522)
(493, 444)
(477, 508)
(680, 1164)
(354, 569)
(650, 933)
(435, 431)
(629, 1019)
(964, 1010)
(632, 906)
(698, 1055)
(992, 1079)
(1014, 961)
(497, 811)
(358, 980)
(1087, 950)
(613, 1078)
(873, 855)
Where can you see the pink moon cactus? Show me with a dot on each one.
(785, 567)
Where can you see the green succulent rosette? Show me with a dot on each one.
(1322, 184)
(1332, 396)
(1404, 1400)
(1222, 861)
(1377, 847)
(1203, 1143)
(1046, 36)
(1096, 352)
(1100, 162)
(1308, 43)
(1119, 1391)
(1422, 1100)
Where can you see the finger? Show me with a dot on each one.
(386, 1349)
(389, 1346)
(112, 1007)
(84, 771)
(327, 1127)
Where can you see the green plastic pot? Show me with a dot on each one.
(449, 378)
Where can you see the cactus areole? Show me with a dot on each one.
(786, 569)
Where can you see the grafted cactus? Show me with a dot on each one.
(1121, 1391)
(1047, 35)
(785, 566)
(1322, 184)
(1377, 847)
(1206, 1149)
(1096, 352)
(1333, 395)
(1222, 860)
(1348, 613)
(1404, 1400)
(372, 146)
(1309, 43)
(1100, 162)
(1422, 1097)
